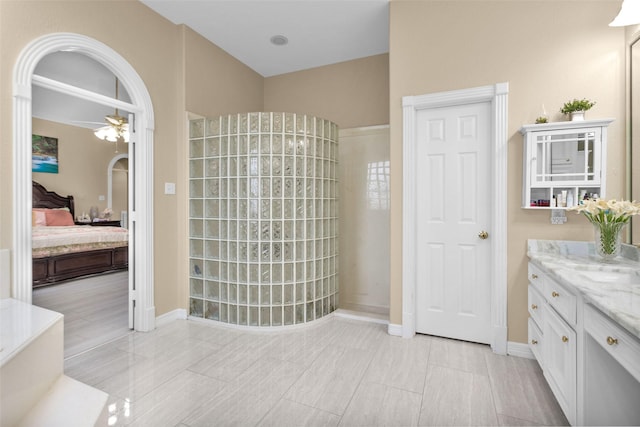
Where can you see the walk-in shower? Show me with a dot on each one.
(263, 218)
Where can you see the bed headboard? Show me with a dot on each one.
(42, 198)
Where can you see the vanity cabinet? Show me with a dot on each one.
(563, 162)
(590, 361)
(552, 336)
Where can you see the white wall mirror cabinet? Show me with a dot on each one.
(563, 163)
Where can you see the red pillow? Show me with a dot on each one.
(58, 217)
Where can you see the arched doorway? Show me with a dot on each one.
(142, 318)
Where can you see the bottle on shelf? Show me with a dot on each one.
(570, 199)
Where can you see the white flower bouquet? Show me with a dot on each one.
(608, 218)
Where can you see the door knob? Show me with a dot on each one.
(483, 235)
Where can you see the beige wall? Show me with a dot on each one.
(351, 94)
(83, 163)
(549, 52)
(156, 49)
(217, 83)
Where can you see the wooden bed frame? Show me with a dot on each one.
(54, 269)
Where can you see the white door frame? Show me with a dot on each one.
(497, 95)
(141, 215)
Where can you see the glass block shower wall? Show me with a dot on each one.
(263, 218)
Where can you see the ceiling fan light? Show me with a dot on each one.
(106, 133)
(629, 14)
(111, 134)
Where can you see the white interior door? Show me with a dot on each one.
(453, 211)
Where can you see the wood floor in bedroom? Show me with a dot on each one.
(95, 310)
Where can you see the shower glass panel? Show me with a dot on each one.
(263, 226)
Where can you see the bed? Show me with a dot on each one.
(63, 250)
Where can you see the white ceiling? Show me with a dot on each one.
(81, 71)
(320, 32)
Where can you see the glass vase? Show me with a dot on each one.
(608, 239)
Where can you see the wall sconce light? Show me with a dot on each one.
(629, 14)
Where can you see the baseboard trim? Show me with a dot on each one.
(348, 314)
(395, 330)
(177, 314)
(519, 349)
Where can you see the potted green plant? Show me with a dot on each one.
(576, 108)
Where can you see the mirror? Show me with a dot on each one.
(566, 157)
(634, 150)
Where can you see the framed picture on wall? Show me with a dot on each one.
(44, 157)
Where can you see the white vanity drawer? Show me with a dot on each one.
(536, 277)
(563, 301)
(536, 301)
(619, 343)
(536, 341)
(560, 363)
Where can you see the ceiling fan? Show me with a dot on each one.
(117, 127)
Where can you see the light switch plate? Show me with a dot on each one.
(169, 188)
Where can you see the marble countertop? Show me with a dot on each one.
(614, 288)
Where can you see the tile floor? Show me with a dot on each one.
(337, 372)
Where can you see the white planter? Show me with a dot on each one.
(577, 116)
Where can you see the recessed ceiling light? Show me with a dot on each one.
(279, 40)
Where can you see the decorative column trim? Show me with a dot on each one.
(409, 107)
(499, 223)
(21, 288)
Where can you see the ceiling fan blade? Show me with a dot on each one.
(115, 120)
(88, 122)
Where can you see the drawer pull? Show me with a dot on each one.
(534, 276)
(534, 342)
(555, 294)
(565, 338)
(534, 307)
(612, 341)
